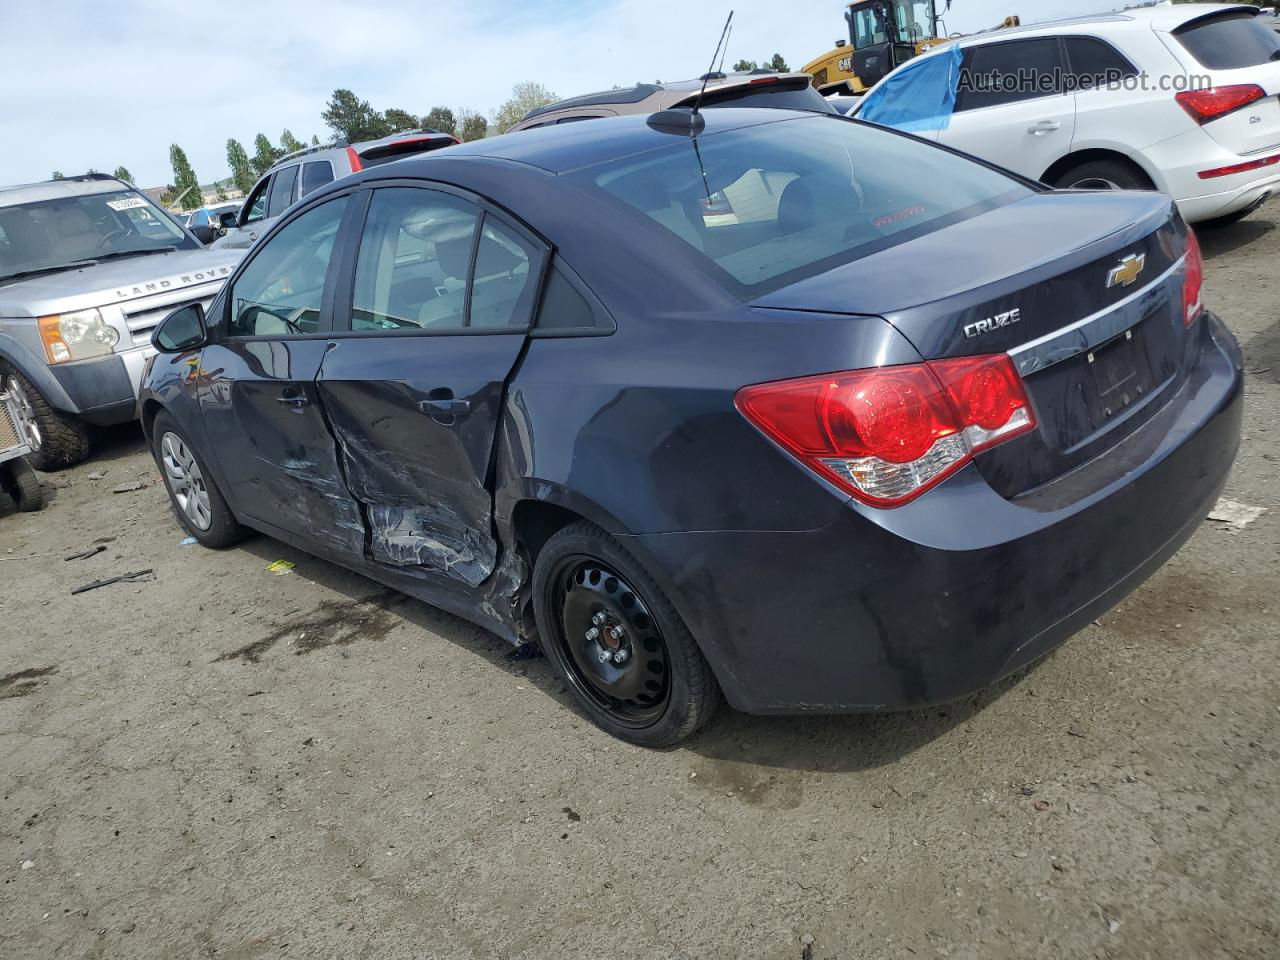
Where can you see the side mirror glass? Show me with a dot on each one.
(227, 220)
(181, 330)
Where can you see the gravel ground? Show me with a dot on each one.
(225, 763)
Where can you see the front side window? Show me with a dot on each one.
(50, 234)
(282, 191)
(278, 294)
(770, 204)
(415, 265)
(256, 205)
(1000, 73)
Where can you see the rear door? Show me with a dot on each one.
(257, 386)
(1010, 108)
(428, 329)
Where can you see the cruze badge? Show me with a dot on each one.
(991, 324)
(1128, 271)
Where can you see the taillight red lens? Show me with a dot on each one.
(888, 435)
(356, 165)
(1206, 105)
(1193, 285)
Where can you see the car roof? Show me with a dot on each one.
(561, 148)
(1163, 18)
(360, 146)
(83, 186)
(640, 92)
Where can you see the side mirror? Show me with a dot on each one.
(181, 330)
(227, 220)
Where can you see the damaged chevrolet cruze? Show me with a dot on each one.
(780, 408)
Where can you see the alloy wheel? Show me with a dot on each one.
(612, 646)
(185, 480)
(1095, 183)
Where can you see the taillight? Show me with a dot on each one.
(1235, 168)
(1193, 285)
(889, 434)
(1206, 105)
(356, 165)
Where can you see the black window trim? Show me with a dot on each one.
(606, 329)
(219, 331)
(345, 292)
(265, 184)
(1062, 59)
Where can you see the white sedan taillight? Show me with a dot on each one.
(889, 434)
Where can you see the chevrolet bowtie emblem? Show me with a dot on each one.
(1130, 269)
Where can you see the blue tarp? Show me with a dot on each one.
(919, 97)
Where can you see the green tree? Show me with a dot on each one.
(400, 120)
(353, 119)
(744, 66)
(524, 97)
(315, 141)
(264, 154)
(474, 125)
(185, 181)
(777, 63)
(441, 118)
(122, 173)
(220, 194)
(289, 143)
(241, 166)
(57, 175)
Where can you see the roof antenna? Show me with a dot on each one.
(687, 120)
(724, 53)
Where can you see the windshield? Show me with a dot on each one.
(47, 234)
(868, 25)
(771, 204)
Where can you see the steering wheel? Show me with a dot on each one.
(109, 236)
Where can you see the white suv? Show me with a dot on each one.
(1110, 102)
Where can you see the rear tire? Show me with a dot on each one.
(1103, 175)
(23, 485)
(661, 690)
(196, 500)
(64, 440)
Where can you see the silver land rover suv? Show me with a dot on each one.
(88, 267)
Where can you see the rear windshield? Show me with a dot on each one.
(1230, 41)
(768, 205)
(791, 96)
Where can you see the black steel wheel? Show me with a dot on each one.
(617, 642)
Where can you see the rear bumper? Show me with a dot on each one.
(940, 598)
(1180, 161)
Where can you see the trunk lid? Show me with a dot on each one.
(1099, 354)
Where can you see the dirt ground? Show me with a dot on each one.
(221, 762)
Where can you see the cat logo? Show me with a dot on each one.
(1127, 273)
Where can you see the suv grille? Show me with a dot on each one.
(141, 324)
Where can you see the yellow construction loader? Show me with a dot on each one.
(882, 35)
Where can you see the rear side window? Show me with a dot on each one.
(1095, 63)
(767, 205)
(1000, 73)
(315, 175)
(565, 307)
(1230, 41)
(282, 191)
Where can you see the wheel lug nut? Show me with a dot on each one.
(616, 633)
(621, 657)
(593, 634)
(604, 656)
(599, 619)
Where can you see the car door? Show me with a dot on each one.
(258, 393)
(1010, 107)
(427, 332)
(252, 213)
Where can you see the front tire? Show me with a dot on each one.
(197, 502)
(64, 440)
(23, 485)
(617, 642)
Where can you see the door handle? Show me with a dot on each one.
(444, 408)
(1045, 126)
(293, 398)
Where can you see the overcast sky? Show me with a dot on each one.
(93, 84)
